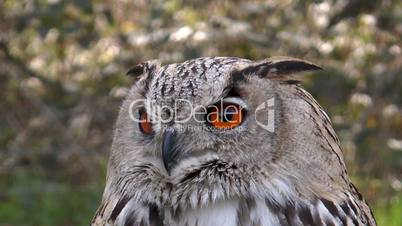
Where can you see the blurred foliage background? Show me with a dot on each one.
(62, 66)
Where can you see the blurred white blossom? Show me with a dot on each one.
(361, 99)
(395, 50)
(395, 144)
(181, 34)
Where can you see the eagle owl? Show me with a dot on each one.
(224, 141)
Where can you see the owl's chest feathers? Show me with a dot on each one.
(224, 213)
(219, 195)
(201, 186)
(245, 212)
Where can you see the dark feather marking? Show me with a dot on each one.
(141, 69)
(191, 87)
(317, 219)
(258, 69)
(291, 82)
(272, 206)
(331, 207)
(181, 70)
(352, 205)
(238, 76)
(204, 70)
(191, 175)
(163, 72)
(289, 66)
(251, 203)
(350, 213)
(176, 213)
(226, 90)
(305, 216)
(123, 186)
(343, 220)
(243, 213)
(290, 214)
(155, 217)
(191, 64)
(355, 222)
(171, 89)
(197, 172)
(328, 222)
(130, 221)
(163, 89)
(276, 209)
(142, 223)
(345, 208)
(282, 220)
(279, 68)
(185, 74)
(135, 71)
(331, 133)
(118, 208)
(371, 212)
(334, 210)
(357, 192)
(214, 63)
(145, 87)
(343, 216)
(308, 99)
(101, 210)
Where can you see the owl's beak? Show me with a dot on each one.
(168, 152)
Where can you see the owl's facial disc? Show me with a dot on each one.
(224, 115)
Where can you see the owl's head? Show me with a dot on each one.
(228, 115)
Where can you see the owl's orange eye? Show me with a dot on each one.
(145, 123)
(225, 115)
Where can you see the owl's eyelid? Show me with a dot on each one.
(236, 100)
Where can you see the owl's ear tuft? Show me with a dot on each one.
(143, 69)
(136, 71)
(277, 66)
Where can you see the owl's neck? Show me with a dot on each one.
(308, 145)
(200, 182)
